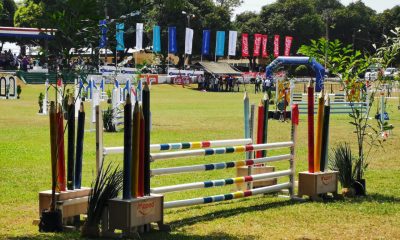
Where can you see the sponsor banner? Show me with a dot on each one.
(150, 78)
(257, 45)
(139, 36)
(103, 31)
(172, 47)
(205, 46)
(232, 43)
(288, 45)
(177, 72)
(119, 36)
(276, 46)
(110, 70)
(264, 52)
(245, 45)
(156, 39)
(188, 41)
(220, 44)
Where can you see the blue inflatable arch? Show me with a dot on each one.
(317, 67)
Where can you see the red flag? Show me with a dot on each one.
(245, 45)
(288, 45)
(276, 46)
(257, 45)
(264, 53)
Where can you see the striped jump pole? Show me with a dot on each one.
(185, 145)
(220, 182)
(225, 197)
(218, 166)
(223, 150)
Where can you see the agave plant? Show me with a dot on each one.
(107, 185)
(341, 160)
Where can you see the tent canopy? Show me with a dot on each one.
(218, 68)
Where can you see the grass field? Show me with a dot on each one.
(187, 115)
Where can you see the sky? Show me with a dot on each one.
(377, 5)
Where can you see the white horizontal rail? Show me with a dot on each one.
(212, 151)
(220, 182)
(217, 166)
(225, 197)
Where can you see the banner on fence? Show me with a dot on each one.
(176, 72)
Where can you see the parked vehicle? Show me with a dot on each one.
(390, 72)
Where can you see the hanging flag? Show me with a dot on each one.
(188, 40)
(232, 43)
(103, 32)
(264, 52)
(245, 45)
(288, 45)
(257, 45)
(220, 44)
(276, 46)
(139, 36)
(205, 46)
(156, 39)
(119, 36)
(172, 48)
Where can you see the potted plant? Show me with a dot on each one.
(84, 95)
(40, 102)
(342, 160)
(107, 185)
(108, 117)
(19, 90)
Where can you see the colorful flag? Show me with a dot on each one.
(156, 39)
(220, 44)
(188, 40)
(276, 46)
(103, 31)
(264, 52)
(139, 36)
(232, 43)
(288, 45)
(257, 45)
(172, 48)
(245, 45)
(205, 46)
(119, 36)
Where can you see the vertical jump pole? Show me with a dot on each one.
(127, 177)
(79, 145)
(71, 144)
(318, 136)
(53, 149)
(99, 138)
(325, 135)
(250, 155)
(135, 150)
(293, 136)
(146, 113)
(246, 117)
(310, 123)
(266, 113)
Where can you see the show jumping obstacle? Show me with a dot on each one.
(137, 172)
(8, 86)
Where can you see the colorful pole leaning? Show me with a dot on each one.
(127, 177)
(260, 127)
(146, 114)
(318, 136)
(325, 135)
(135, 150)
(71, 144)
(60, 151)
(265, 123)
(79, 146)
(53, 148)
(310, 122)
(141, 187)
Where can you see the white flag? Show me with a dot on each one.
(139, 36)
(188, 40)
(232, 43)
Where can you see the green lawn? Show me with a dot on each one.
(183, 114)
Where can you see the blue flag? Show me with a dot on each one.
(172, 48)
(103, 32)
(220, 44)
(205, 46)
(119, 36)
(156, 39)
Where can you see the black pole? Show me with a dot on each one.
(71, 144)
(79, 147)
(146, 113)
(127, 177)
